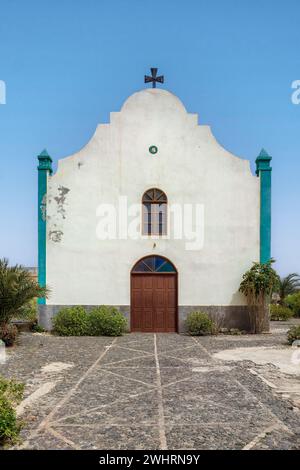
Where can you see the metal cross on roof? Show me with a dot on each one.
(154, 77)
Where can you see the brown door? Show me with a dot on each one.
(153, 302)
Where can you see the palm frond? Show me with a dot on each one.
(288, 285)
(17, 287)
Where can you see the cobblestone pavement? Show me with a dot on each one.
(149, 391)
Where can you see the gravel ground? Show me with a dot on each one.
(153, 391)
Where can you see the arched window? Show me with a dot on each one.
(154, 212)
(154, 264)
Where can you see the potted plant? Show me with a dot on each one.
(17, 288)
(258, 284)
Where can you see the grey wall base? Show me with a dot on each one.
(229, 316)
(225, 316)
(47, 312)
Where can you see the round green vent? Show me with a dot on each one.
(153, 149)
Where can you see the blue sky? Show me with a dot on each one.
(68, 63)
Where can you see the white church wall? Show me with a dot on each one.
(190, 167)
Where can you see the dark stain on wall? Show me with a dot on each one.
(55, 235)
(61, 199)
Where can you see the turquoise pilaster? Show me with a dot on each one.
(264, 172)
(44, 168)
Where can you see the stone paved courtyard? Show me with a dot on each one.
(153, 391)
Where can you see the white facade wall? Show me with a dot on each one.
(190, 167)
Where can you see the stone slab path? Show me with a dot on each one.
(149, 391)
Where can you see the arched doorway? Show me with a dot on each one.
(153, 295)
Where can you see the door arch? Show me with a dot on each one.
(153, 296)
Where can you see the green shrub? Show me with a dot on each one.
(279, 312)
(11, 394)
(293, 302)
(293, 334)
(71, 321)
(36, 328)
(199, 324)
(8, 334)
(28, 311)
(106, 321)
(76, 321)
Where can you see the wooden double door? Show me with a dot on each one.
(154, 302)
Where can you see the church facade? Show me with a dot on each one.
(153, 216)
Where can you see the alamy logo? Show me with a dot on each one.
(295, 359)
(2, 352)
(296, 94)
(2, 92)
(122, 221)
